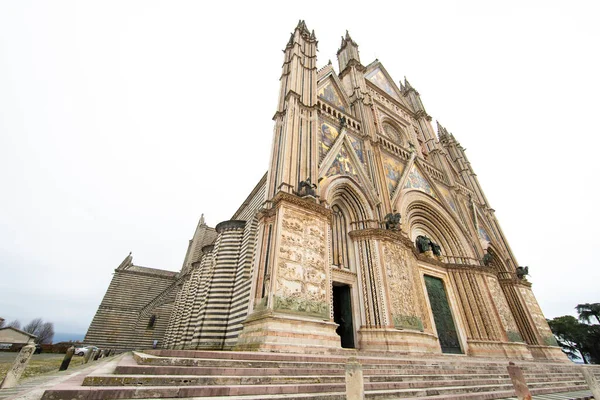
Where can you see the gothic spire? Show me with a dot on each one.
(348, 52)
(442, 132)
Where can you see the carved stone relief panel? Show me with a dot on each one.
(400, 279)
(538, 317)
(508, 320)
(302, 280)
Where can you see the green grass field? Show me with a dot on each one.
(39, 364)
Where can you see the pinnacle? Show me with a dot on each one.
(302, 28)
(441, 130)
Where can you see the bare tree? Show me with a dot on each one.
(33, 326)
(43, 330)
(15, 323)
(46, 333)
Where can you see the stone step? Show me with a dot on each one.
(537, 395)
(167, 370)
(341, 355)
(363, 357)
(252, 376)
(196, 380)
(134, 369)
(127, 392)
(143, 359)
(461, 392)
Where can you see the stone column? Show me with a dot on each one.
(19, 365)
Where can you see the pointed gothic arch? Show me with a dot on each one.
(351, 211)
(424, 216)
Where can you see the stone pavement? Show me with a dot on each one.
(33, 388)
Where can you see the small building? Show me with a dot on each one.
(13, 338)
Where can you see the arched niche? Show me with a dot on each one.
(421, 215)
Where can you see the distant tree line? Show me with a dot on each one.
(579, 337)
(43, 330)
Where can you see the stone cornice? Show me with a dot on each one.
(208, 248)
(303, 202)
(472, 268)
(231, 224)
(515, 282)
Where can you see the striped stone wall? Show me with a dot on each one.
(213, 294)
(134, 295)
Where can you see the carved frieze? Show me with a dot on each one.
(508, 320)
(400, 279)
(302, 282)
(538, 317)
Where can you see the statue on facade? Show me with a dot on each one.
(487, 258)
(423, 243)
(522, 272)
(306, 188)
(437, 250)
(392, 221)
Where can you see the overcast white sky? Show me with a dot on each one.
(122, 121)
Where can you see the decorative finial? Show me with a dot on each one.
(329, 63)
(202, 220)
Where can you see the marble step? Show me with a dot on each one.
(198, 380)
(68, 392)
(144, 359)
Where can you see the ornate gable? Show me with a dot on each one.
(417, 180)
(331, 91)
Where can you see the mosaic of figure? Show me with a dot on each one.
(328, 136)
(417, 181)
(378, 78)
(329, 93)
(393, 172)
(342, 165)
(358, 148)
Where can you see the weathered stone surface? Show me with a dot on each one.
(16, 370)
(518, 381)
(355, 388)
(67, 359)
(591, 380)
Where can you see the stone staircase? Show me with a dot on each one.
(253, 375)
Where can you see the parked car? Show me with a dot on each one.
(81, 351)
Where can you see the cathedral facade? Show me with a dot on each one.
(369, 231)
